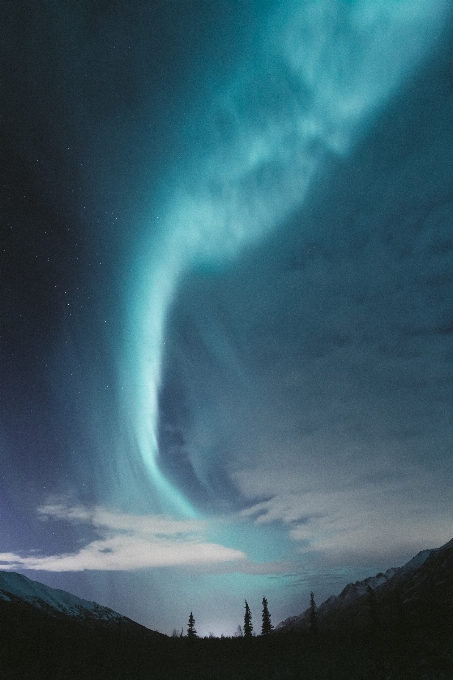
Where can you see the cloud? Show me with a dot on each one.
(126, 542)
(384, 519)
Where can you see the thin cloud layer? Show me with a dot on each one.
(125, 542)
(352, 524)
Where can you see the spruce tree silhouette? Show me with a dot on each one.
(248, 627)
(313, 619)
(191, 632)
(266, 626)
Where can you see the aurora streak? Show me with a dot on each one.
(319, 74)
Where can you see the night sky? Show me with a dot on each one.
(226, 299)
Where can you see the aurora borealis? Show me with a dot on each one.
(226, 299)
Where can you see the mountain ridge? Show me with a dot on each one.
(19, 590)
(412, 584)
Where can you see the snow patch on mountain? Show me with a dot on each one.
(419, 559)
(15, 587)
(354, 590)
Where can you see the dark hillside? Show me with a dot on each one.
(36, 645)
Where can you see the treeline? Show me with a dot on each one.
(245, 631)
(376, 640)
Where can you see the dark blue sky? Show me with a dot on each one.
(226, 299)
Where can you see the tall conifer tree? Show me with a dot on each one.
(266, 626)
(191, 632)
(313, 615)
(248, 627)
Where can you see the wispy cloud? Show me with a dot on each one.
(388, 521)
(125, 542)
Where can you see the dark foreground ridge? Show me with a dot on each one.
(426, 581)
(395, 626)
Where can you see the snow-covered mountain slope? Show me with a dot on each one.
(427, 575)
(18, 589)
(14, 587)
